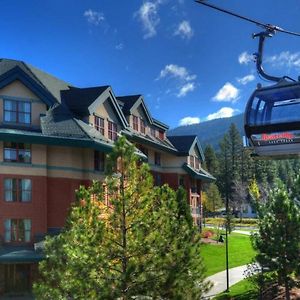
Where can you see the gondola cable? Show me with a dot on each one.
(269, 27)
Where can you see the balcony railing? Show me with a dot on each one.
(194, 190)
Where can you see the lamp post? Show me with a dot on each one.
(227, 221)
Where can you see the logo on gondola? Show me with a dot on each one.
(265, 139)
(277, 136)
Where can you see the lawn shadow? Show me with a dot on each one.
(248, 295)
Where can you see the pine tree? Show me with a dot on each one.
(130, 240)
(277, 242)
(213, 198)
(211, 161)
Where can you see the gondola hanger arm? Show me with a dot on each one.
(269, 31)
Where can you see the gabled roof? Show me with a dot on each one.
(85, 101)
(185, 144)
(79, 99)
(130, 103)
(127, 102)
(46, 86)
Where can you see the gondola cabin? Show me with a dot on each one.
(272, 120)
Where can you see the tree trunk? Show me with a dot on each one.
(286, 286)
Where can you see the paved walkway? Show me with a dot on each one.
(219, 280)
(242, 232)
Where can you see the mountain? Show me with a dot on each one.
(210, 132)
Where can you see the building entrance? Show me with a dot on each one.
(17, 278)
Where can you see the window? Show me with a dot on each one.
(99, 124)
(192, 161)
(143, 127)
(17, 152)
(17, 190)
(157, 160)
(197, 163)
(99, 161)
(17, 111)
(17, 230)
(112, 130)
(161, 134)
(157, 179)
(135, 123)
(152, 131)
(181, 180)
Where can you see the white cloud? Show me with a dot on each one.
(245, 58)
(184, 30)
(246, 79)
(228, 93)
(224, 112)
(285, 59)
(188, 87)
(185, 82)
(148, 15)
(189, 121)
(94, 17)
(176, 71)
(119, 46)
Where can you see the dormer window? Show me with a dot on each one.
(143, 127)
(17, 112)
(161, 134)
(197, 163)
(192, 161)
(152, 131)
(99, 124)
(112, 130)
(135, 123)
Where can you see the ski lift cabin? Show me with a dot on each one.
(272, 120)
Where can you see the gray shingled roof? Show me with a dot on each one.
(79, 99)
(182, 143)
(48, 82)
(59, 121)
(126, 102)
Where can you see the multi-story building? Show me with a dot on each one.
(53, 138)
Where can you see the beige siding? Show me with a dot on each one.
(139, 112)
(170, 163)
(106, 112)
(17, 90)
(55, 161)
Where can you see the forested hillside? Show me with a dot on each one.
(210, 132)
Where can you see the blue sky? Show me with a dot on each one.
(191, 63)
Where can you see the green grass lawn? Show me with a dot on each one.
(240, 253)
(242, 290)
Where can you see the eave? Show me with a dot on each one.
(144, 141)
(198, 174)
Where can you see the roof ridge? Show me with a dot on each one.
(90, 87)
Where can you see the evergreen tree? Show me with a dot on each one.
(213, 200)
(130, 240)
(277, 242)
(211, 161)
(235, 149)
